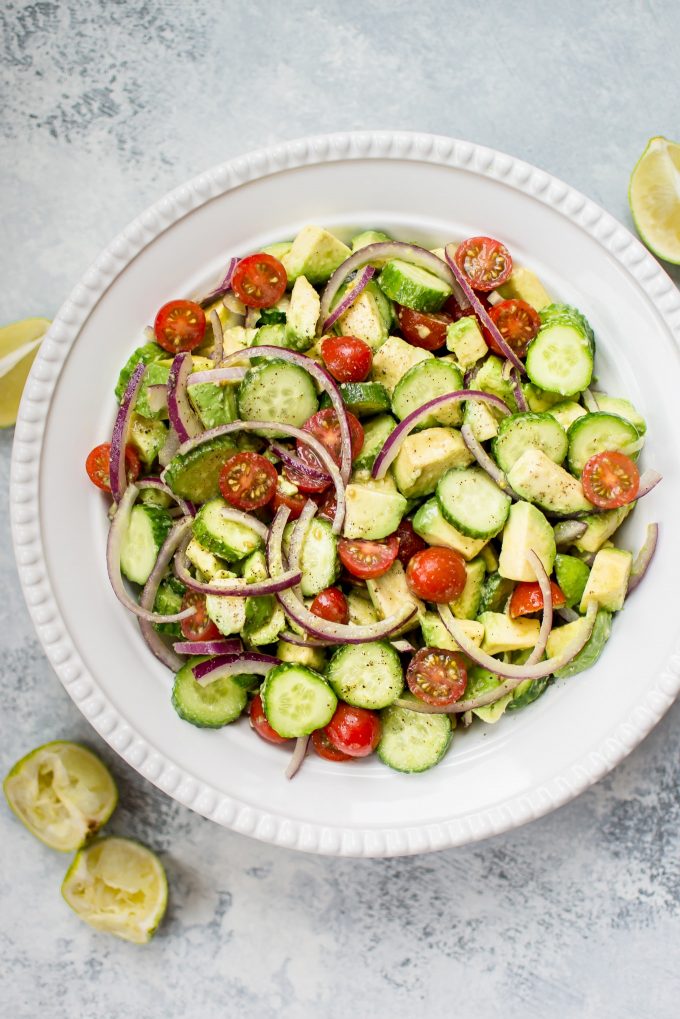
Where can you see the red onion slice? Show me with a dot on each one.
(337, 633)
(403, 646)
(569, 615)
(182, 415)
(218, 336)
(644, 557)
(117, 473)
(187, 508)
(223, 287)
(517, 391)
(547, 620)
(298, 756)
(297, 433)
(249, 663)
(153, 638)
(355, 288)
(236, 588)
(649, 480)
(486, 462)
(394, 440)
(209, 647)
(383, 251)
(303, 640)
(589, 402)
(298, 465)
(216, 375)
(169, 449)
(300, 533)
(568, 531)
(479, 309)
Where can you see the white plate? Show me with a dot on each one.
(418, 187)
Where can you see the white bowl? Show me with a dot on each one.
(417, 187)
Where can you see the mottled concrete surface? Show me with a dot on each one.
(104, 107)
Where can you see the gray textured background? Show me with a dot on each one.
(104, 107)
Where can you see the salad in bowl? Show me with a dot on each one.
(365, 493)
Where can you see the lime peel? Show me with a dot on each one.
(654, 198)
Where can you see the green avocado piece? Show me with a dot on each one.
(571, 575)
(593, 649)
(195, 475)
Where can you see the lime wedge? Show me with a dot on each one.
(62, 793)
(19, 344)
(118, 886)
(654, 197)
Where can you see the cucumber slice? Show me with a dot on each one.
(362, 398)
(269, 335)
(296, 700)
(472, 502)
(147, 530)
(214, 404)
(595, 433)
(277, 391)
(624, 409)
(366, 675)
(520, 431)
(226, 538)
(376, 432)
(319, 558)
(195, 475)
(560, 359)
(412, 286)
(168, 601)
(411, 741)
(495, 593)
(210, 706)
(422, 383)
(146, 354)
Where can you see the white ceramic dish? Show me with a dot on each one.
(418, 187)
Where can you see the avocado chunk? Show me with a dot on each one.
(425, 456)
(495, 592)
(464, 339)
(367, 237)
(370, 513)
(145, 354)
(157, 374)
(430, 524)
(540, 400)
(391, 593)
(466, 605)
(435, 633)
(536, 478)
(526, 528)
(148, 437)
(393, 360)
(524, 285)
(376, 432)
(501, 633)
(214, 403)
(302, 315)
(562, 636)
(481, 681)
(369, 318)
(195, 475)
(237, 338)
(566, 412)
(315, 253)
(600, 527)
(571, 575)
(490, 379)
(228, 614)
(481, 420)
(204, 560)
(312, 657)
(608, 580)
(362, 612)
(278, 249)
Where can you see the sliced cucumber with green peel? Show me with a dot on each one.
(624, 409)
(226, 538)
(495, 593)
(362, 398)
(560, 359)
(146, 532)
(472, 502)
(296, 700)
(422, 383)
(569, 315)
(366, 675)
(412, 286)
(411, 741)
(168, 602)
(214, 404)
(195, 475)
(596, 433)
(319, 558)
(210, 706)
(277, 391)
(520, 431)
(376, 432)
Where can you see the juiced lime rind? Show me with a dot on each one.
(105, 887)
(654, 189)
(80, 812)
(19, 342)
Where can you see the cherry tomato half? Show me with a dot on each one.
(517, 322)
(329, 505)
(179, 326)
(610, 480)
(198, 626)
(259, 280)
(485, 261)
(436, 574)
(324, 426)
(97, 465)
(258, 722)
(437, 676)
(347, 358)
(353, 731)
(528, 597)
(331, 604)
(423, 330)
(325, 748)
(409, 542)
(294, 500)
(248, 481)
(368, 559)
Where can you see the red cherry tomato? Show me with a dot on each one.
(517, 322)
(347, 358)
(259, 280)
(329, 505)
(485, 261)
(331, 604)
(324, 426)
(179, 326)
(295, 502)
(452, 308)
(258, 722)
(248, 481)
(198, 626)
(423, 330)
(325, 748)
(97, 465)
(437, 676)
(610, 480)
(528, 597)
(436, 574)
(409, 542)
(368, 559)
(353, 731)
